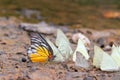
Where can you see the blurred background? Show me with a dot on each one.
(96, 14)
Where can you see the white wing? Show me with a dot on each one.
(108, 64)
(61, 36)
(56, 52)
(81, 61)
(63, 44)
(116, 55)
(119, 48)
(98, 54)
(82, 49)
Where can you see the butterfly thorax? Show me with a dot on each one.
(51, 57)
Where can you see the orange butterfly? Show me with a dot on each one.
(40, 50)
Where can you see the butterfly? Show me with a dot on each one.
(80, 56)
(81, 61)
(62, 49)
(116, 54)
(104, 61)
(108, 63)
(63, 44)
(82, 49)
(98, 55)
(58, 55)
(40, 50)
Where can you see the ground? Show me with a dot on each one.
(15, 65)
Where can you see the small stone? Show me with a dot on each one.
(102, 42)
(41, 27)
(24, 60)
(81, 36)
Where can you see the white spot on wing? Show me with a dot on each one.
(33, 50)
(29, 52)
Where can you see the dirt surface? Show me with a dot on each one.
(15, 65)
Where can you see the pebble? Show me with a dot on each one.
(105, 33)
(42, 27)
(81, 36)
(101, 42)
(24, 59)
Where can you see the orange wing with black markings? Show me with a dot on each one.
(40, 50)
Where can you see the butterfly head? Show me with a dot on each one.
(51, 57)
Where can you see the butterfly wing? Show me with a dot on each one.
(61, 36)
(81, 61)
(98, 55)
(119, 49)
(38, 39)
(82, 49)
(116, 55)
(39, 55)
(40, 50)
(58, 56)
(63, 44)
(108, 64)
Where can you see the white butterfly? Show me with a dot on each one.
(81, 61)
(63, 44)
(58, 56)
(82, 49)
(116, 54)
(119, 48)
(108, 64)
(103, 60)
(64, 50)
(98, 54)
(80, 56)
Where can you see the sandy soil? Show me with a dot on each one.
(14, 64)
